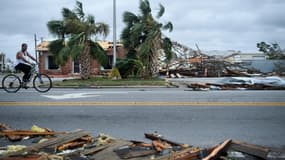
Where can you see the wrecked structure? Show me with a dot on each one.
(45, 144)
(197, 63)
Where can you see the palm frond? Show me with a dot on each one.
(137, 29)
(56, 27)
(76, 50)
(167, 47)
(90, 19)
(96, 51)
(79, 10)
(161, 11)
(145, 49)
(59, 51)
(55, 46)
(145, 7)
(102, 28)
(74, 26)
(125, 36)
(76, 39)
(68, 14)
(168, 26)
(63, 56)
(130, 18)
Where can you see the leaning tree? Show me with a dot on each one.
(76, 34)
(143, 37)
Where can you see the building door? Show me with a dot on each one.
(76, 66)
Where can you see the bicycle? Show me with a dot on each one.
(12, 83)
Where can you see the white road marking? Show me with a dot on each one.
(80, 95)
(71, 96)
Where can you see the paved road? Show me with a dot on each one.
(195, 117)
(142, 95)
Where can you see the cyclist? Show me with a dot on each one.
(23, 63)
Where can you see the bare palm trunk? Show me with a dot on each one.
(156, 46)
(85, 62)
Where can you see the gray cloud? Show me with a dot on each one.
(223, 24)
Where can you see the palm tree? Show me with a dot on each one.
(75, 34)
(143, 37)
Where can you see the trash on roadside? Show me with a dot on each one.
(79, 144)
(241, 83)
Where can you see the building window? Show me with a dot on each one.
(51, 63)
(110, 62)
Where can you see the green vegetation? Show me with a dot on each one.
(273, 50)
(142, 36)
(102, 81)
(114, 74)
(144, 40)
(76, 35)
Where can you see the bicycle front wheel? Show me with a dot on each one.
(42, 83)
(11, 83)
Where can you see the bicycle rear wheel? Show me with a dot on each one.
(42, 82)
(11, 83)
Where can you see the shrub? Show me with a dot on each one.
(114, 74)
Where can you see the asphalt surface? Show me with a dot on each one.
(199, 126)
(195, 117)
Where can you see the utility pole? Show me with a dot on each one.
(114, 35)
(35, 36)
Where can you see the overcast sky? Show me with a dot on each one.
(213, 25)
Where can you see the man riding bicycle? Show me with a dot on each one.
(23, 63)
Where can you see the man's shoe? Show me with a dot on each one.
(25, 85)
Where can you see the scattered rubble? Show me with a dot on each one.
(237, 83)
(81, 145)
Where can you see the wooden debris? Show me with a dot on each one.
(104, 147)
(156, 137)
(255, 150)
(94, 150)
(4, 127)
(217, 151)
(75, 144)
(26, 133)
(108, 153)
(52, 143)
(127, 152)
(28, 157)
(70, 145)
(160, 146)
(185, 154)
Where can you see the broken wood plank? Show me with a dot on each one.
(27, 133)
(127, 152)
(109, 153)
(52, 143)
(255, 150)
(185, 154)
(59, 140)
(4, 127)
(218, 150)
(70, 145)
(75, 144)
(94, 150)
(155, 137)
(159, 146)
(27, 157)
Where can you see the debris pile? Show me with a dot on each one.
(44, 144)
(241, 83)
